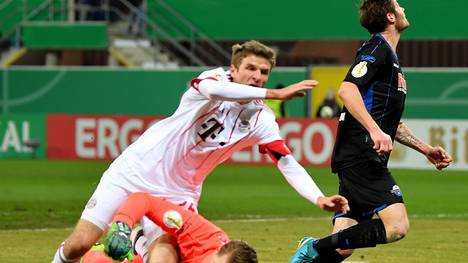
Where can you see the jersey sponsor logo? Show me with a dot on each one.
(173, 219)
(210, 129)
(360, 69)
(368, 58)
(401, 83)
(396, 191)
(396, 65)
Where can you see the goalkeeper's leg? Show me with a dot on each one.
(85, 235)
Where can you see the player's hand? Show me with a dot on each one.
(439, 157)
(334, 203)
(118, 245)
(291, 91)
(382, 142)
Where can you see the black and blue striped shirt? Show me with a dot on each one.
(377, 73)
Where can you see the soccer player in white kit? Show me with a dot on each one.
(221, 113)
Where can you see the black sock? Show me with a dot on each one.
(330, 256)
(368, 233)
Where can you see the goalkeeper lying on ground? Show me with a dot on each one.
(199, 240)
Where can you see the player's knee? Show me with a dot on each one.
(163, 250)
(398, 232)
(396, 235)
(163, 254)
(75, 248)
(345, 252)
(80, 241)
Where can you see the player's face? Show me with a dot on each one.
(219, 258)
(401, 22)
(253, 71)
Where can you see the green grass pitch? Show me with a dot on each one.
(41, 200)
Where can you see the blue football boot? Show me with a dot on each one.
(305, 252)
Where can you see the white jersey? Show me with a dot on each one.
(174, 156)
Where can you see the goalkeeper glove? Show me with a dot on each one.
(118, 245)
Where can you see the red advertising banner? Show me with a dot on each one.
(310, 141)
(93, 136)
(98, 137)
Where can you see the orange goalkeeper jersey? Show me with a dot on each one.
(197, 237)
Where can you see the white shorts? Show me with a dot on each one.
(113, 189)
(109, 195)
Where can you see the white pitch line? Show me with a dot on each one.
(34, 229)
(276, 219)
(255, 218)
(259, 219)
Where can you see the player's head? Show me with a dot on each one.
(251, 63)
(235, 251)
(377, 15)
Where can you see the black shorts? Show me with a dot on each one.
(369, 188)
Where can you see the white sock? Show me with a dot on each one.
(60, 257)
(141, 248)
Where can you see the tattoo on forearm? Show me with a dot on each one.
(406, 137)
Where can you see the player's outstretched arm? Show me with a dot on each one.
(436, 155)
(352, 99)
(231, 91)
(299, 179)
(291, 91)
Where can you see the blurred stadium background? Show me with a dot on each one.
(78, 84)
